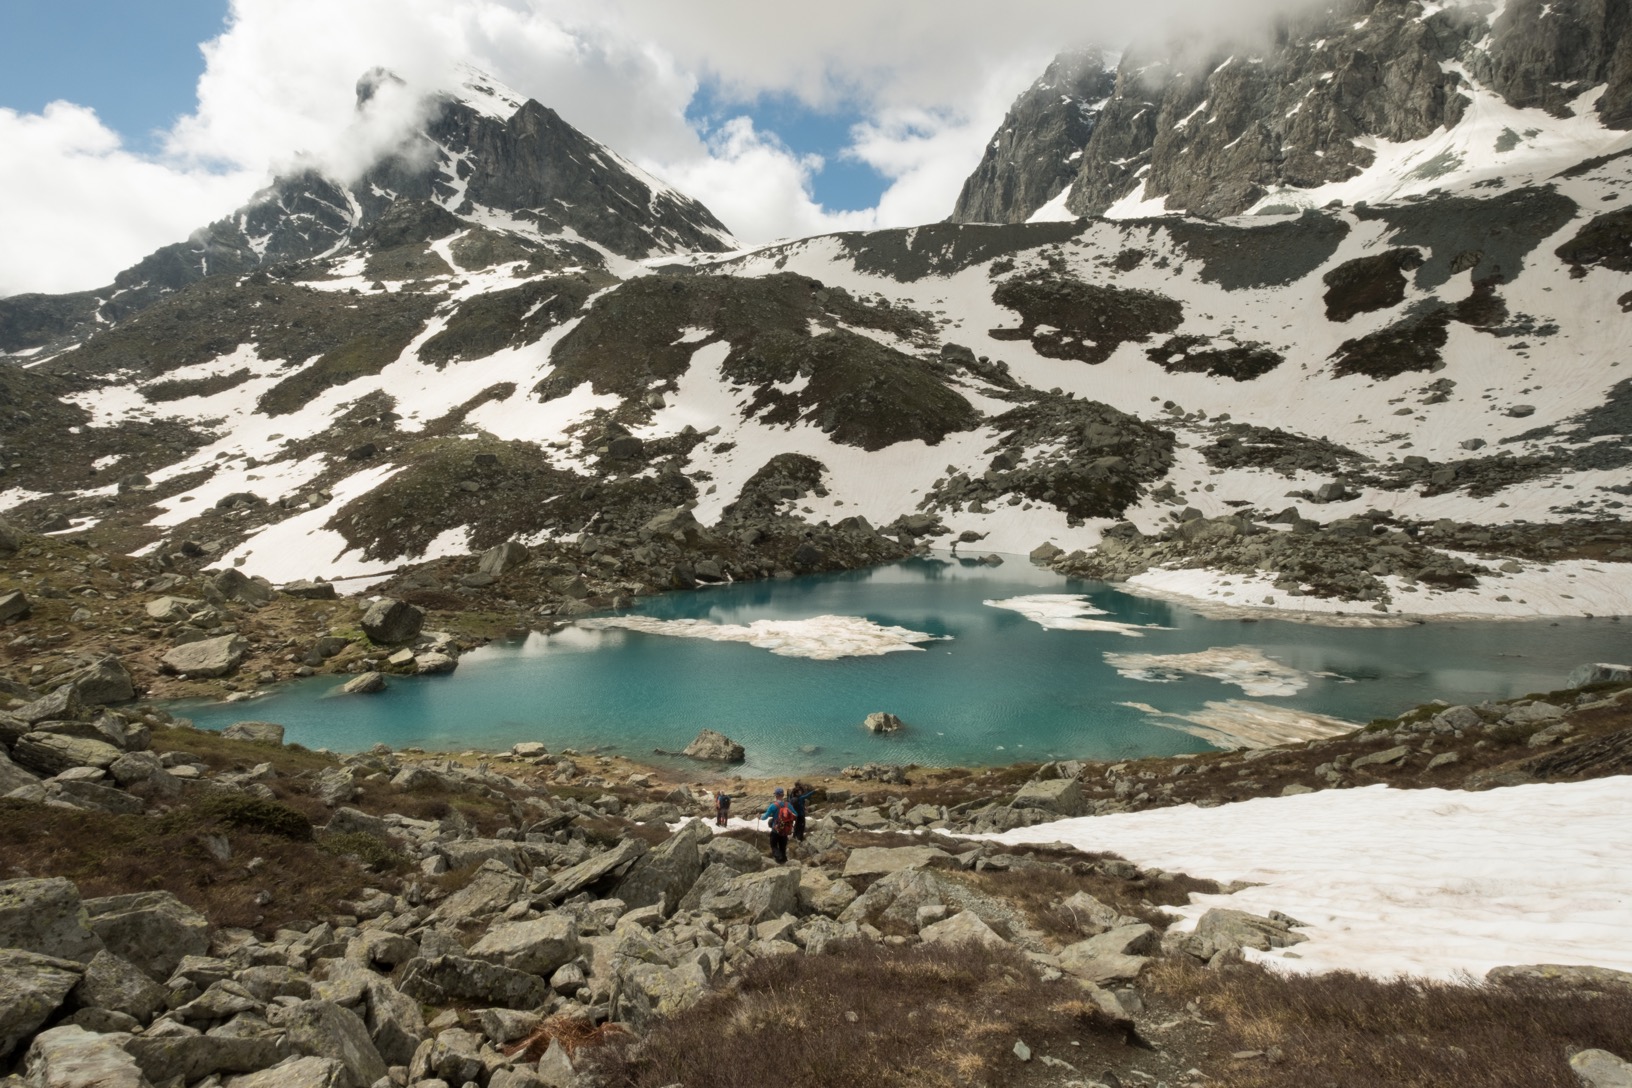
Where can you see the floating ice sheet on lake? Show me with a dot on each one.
(822, 638)
(1424, 882)
(1242, 723)
(1247, 668)
(1068, 612)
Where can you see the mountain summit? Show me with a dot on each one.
(479, 153)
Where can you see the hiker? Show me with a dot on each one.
(779, 814)
(722, 808)
(801, 797)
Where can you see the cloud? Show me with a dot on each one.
(931, 78)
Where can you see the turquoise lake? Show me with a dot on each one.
(996, 686)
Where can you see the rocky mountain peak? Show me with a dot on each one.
(1032, 157)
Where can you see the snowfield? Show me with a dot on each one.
(1437, 883)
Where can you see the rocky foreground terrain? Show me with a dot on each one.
(183, 908)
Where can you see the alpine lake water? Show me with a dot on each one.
(994, 687)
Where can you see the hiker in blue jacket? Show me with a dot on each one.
(801, 797)
(779, 815)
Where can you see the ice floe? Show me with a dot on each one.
(1069, 612)
(821, 638)
(1247, 668)
(1241, 723)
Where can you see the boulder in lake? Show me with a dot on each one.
(368, 683)
(882, 721)
(208, 657)
(392, 621)
(715, 748)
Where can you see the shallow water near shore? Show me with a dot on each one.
(986, 665)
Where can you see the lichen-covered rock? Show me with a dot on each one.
(210, 657)
(538, 946)
(153, 930)
(104, 680)
(113, 983)
(667, 873)
(444, 980)
(368, 683)
(255, 732)
(391, 621)
(71, 1057)
(45, 916)
(32, 987)
(53, 753)
(322, 1029)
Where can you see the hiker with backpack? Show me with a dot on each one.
(722, 808)
(779, 815)
(801, 797)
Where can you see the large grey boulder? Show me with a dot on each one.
(667, 873)
(296, 1073)
(235, 585)
(63, 704)
(32, 987)
(368, 683)
(882, 860)
(117, 984)
(208, 657)
(894, 901)
(759, 897)
(962, 928)
(45, 916)
(882, 721)
(53, 753)
(153, 930)
(650, 991)
(444, 980)
(14, 606)
(171, 609)
(1224, 930)
(390, 621)
(1601, 1069)
(1060, 796)
(13, 777)
(1092, 916)
(310, 590)
(1575, 976)
(71, 1057)
(715, 747)
(104, 680)
(588, 873)
(255, 732)
(322, 1029)
(496, 561)
(493, 888)
(11, 537)
(190, 1058)
(394, 1021)
(538, 946)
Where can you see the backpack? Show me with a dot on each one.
(723, 802)
(782, 824)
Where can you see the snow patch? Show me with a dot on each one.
(1246, 667)
(821, 638)
(1068, 612)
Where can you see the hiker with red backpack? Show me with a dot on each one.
(779, 814)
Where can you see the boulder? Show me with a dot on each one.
(554, 1070)
(715, 748)
(1046, 552)
(961, 928)
(71, 1057)
(1100, 968)
(390, 622)
(650, 991)
(1092, 916)
(188, 1059)
(13, 777)
(322, 1029)
(255, 732)
(368, 683)
(492, 889)
(1059, 796)
(882, 721)
(32, 987)
(1598, 979)
(296, 1073)
(1599, 673)
(820, 893)
(435, 663)
(1600, 1069)
(539, 946)
(592, 871)
(171, 609)
(1223, 930)
(62, 705)
(14, 606)
(762, 896)
(208, 657)
(11, 537)
(497, 560)
(667, 873)
(45, 916)
(311, 591)
(1386, 757)
(104, 680)
(449, 979)
(394, 1021)
(235, 585)
(881, 860)
(153, 930)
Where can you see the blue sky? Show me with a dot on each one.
(137, 64)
